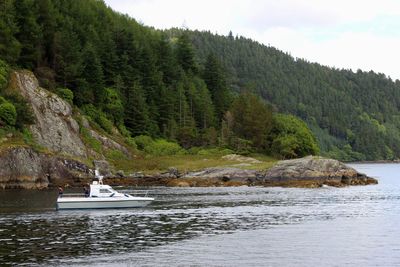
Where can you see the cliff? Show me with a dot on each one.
(22, 167)
(55, 128)
(63, 155)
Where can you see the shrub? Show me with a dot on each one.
(98, 117)
(24, 110)
(8, 113)
(2, 100)
(162, 147)
(66, 94)
(143, 141)
(115, 155)
(3, 74)
(122, 129)
(104, 123)
(131, 142)
(90, 141)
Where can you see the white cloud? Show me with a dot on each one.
(340, 33)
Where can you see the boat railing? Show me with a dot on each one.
(73, 195)
(135, 192)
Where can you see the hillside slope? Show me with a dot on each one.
(354, 115)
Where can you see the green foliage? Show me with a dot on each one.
(66, 94)
(8, 113)
(291, 138)
(104, 122)
(122, 129)
(115, 155)
(23, 109)
(113, 105)
(131, 142)
(162, 147)
(90, 141)
(211, 151)
(3, 74)
(149, 81)
(98, 117)
(2, 100)
(159, 147)
(143, 141)
(185, 54)
(214, 76)
(331, 101)
(252, 120)
(10, 46)
(187, 137)
(136, 118)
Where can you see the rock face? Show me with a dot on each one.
(54, 128)
(225, 174)
(25, 168)
(109, 143)
(315, 171)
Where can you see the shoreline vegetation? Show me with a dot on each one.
(307, 172)
(162, 107)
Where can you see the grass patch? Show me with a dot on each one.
(184, 163)
(90, 141)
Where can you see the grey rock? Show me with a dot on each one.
(120, 173)
(25, 168)
(104, 167)
(136, 175)
(109, 143)
(172, 172)
(318, 169)
(55, 128)
(225, 174)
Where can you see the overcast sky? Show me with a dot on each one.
(347, 34)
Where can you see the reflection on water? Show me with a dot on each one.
(207, 226)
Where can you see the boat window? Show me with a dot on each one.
(105, 191)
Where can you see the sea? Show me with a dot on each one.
(215, 226)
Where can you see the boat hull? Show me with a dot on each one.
(98, 203)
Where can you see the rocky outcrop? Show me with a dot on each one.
(25, 168)
(55, 127)
(225, 174)
(103, 167)
(312, 172)
(241, 159)
(108, 143)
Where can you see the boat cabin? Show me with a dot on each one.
(101, 190)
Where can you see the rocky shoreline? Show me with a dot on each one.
(25, 168)
(309, 172)
(59, 132)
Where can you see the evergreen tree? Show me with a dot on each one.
(10, 47)
(136, 117)
(29, 34)
(216, 83)
(185, 54)
(252, 119)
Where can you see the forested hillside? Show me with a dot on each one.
(193, 88)
(354, 115)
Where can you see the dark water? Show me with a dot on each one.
(245, 226)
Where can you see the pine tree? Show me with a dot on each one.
(216, 83)
(136, 117)
(29, 34)
(185, 54)
(10, 47)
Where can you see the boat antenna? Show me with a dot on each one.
(98, 176)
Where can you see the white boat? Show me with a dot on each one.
(101, 196)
